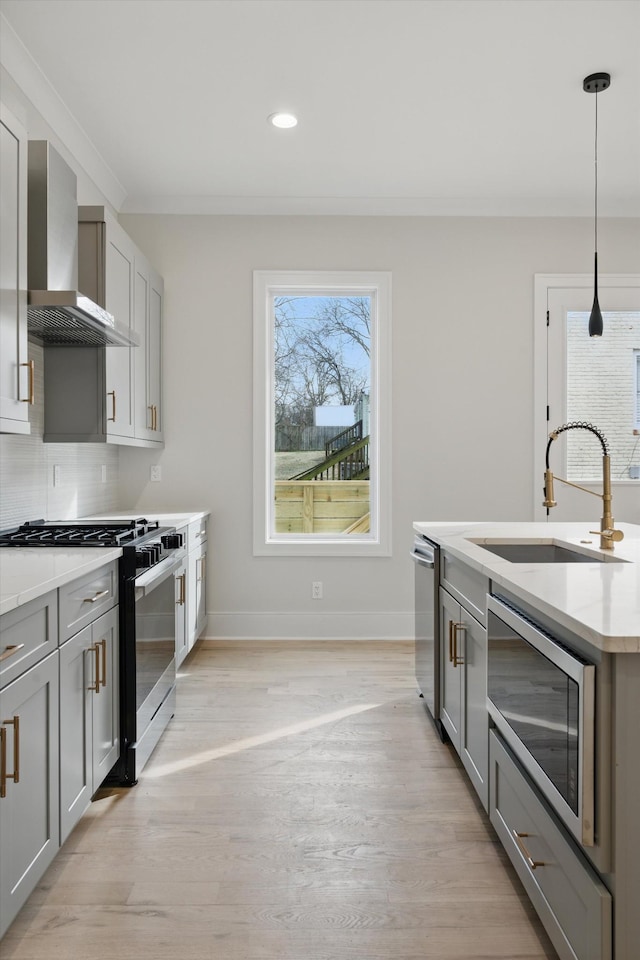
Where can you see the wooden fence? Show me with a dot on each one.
(322, 506)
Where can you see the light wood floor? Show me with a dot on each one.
(299, 807)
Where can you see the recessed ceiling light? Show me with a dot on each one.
(283, 120)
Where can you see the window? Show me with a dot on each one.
(322, 413)
(585, 379)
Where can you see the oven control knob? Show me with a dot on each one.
(155, 551)
(172, 541)
(143, 558)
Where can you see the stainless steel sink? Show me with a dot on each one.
(542, 553)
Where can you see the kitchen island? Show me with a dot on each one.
(579, 866)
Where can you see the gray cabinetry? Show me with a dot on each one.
(88, 715)
(109, 394)
(463, 670)
(16, 373)
(572, 902)
(182, 638)
(148, 300)
(196, 580)
(29, 773)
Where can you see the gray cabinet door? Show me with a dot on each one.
(148, 296)
(197, 593)
(89, 724)
(182, 639)
(450, 675)
(463, 691)
(29, 822)
(119, 293)
(14, 370)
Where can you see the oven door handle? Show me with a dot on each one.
(148, 581)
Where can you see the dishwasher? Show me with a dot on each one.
(426, 556)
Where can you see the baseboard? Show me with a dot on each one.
(354, 625)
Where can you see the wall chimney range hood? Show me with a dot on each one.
(58, 313)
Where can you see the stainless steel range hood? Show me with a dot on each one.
(58, 313)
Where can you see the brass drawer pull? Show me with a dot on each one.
(103, 679)
(31, 364)
(181, 596)
(10, 649)
(525, 853)
(112, 393)
(98, 596)
(15, 776)
(95, 686)
(457, 661)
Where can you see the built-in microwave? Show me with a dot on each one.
(541, 698)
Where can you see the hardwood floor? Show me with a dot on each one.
(299, 807)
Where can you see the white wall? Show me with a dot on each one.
(462, 392)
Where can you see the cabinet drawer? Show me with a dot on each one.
(27, 634)
(572, 902)
(466, 584)
(85, 599)
(197, 533)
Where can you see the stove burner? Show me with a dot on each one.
(37, 533)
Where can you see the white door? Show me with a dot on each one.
(588, 380)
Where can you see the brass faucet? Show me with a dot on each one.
(608, 534)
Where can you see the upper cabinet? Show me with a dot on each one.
(109, 394)
(148, 301)
(16, 373)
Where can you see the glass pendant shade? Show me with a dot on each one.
(595, 317)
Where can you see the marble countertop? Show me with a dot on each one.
(169, 518)
(598, 601)
(31, 572)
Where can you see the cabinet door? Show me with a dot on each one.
(29, 822)
(474, 727)
(182, 644)
(105, 739)
(15, 387)
(197, 593)
(78, 662)
(450, 674)
(119, 291)
(154, 352)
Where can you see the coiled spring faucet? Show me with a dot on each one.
(608, 534)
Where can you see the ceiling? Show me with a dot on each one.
(405, 106)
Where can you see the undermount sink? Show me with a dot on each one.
(541, 553)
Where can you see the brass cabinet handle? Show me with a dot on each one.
(98, 596)
(203, 565)
(182, 595)
(112, 394)
(3, 762)
(150, 407)
(155, 417)
(10, 649)
(31, 364)
(457, 661)
(95, 686)
(15, 776)
(450, 641)
(103, 679)
(525, 853)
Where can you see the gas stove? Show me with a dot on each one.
(143, 539)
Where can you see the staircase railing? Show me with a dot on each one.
(349, 463)
(344, 439)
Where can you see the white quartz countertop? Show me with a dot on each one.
(598, 601)
(26, 574)
(167, 519)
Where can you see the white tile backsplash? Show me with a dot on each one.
(27, 490)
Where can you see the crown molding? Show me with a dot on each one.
(38, 90)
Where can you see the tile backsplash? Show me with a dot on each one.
(28, 467)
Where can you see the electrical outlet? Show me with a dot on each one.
(316, 590)
(155, 473)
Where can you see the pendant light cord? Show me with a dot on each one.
(595, 165)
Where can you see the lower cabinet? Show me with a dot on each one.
(569, 897)
(197, 609)
(463, 689)
(29, 800)
(89, 741)
(182, 637)
(191, 588)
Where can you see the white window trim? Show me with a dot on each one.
(636, 356)
(377, 284)
(544, 283)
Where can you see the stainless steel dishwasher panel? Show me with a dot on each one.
(426, 556)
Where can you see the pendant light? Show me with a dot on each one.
(596, 83)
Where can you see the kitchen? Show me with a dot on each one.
(463, 301)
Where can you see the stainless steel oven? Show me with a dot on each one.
(541, 698)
